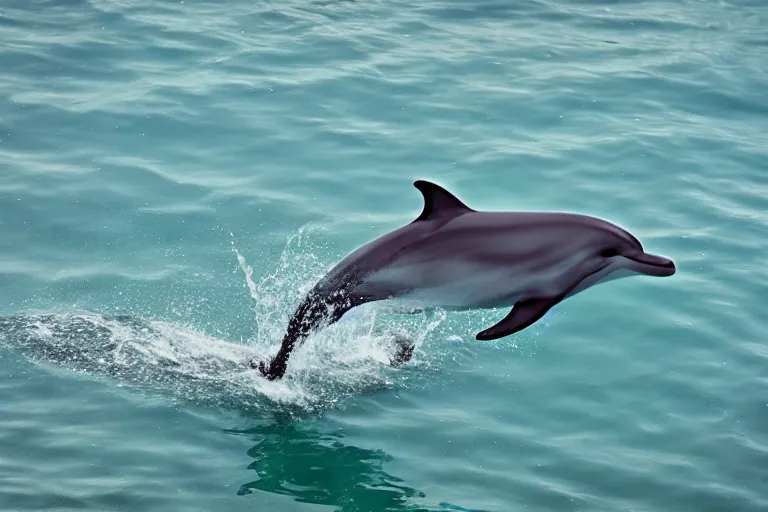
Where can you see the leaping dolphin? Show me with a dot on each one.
(457, 258)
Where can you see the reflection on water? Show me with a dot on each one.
(290, 457)
(318, 468)
(293, 459)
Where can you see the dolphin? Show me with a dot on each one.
(456, 258)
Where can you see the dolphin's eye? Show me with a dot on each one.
(609, 253)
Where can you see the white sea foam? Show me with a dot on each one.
(347, 358)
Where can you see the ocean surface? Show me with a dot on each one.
(174, 175)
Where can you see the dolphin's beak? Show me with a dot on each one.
(651, 264)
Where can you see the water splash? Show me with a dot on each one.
(343, 360)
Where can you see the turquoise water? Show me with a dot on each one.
(174, 175)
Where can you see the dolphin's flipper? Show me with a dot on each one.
(523, 314)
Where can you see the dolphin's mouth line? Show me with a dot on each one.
(654, 265)
(598, 270)
(651, 264)
(648, 263)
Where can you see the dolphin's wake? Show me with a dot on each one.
(191, 365)
(351, 358)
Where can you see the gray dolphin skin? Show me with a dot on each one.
(456, 258)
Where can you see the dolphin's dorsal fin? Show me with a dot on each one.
(438, 202)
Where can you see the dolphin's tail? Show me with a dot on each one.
(314, 311)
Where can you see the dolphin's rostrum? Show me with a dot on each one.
(454, 257)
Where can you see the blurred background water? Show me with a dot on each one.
(174, 174)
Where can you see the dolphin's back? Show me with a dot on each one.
(480, 259)
(372, 257)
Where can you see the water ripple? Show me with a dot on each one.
(138, 140)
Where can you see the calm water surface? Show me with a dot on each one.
(175, 174)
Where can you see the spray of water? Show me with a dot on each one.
(346, 359)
